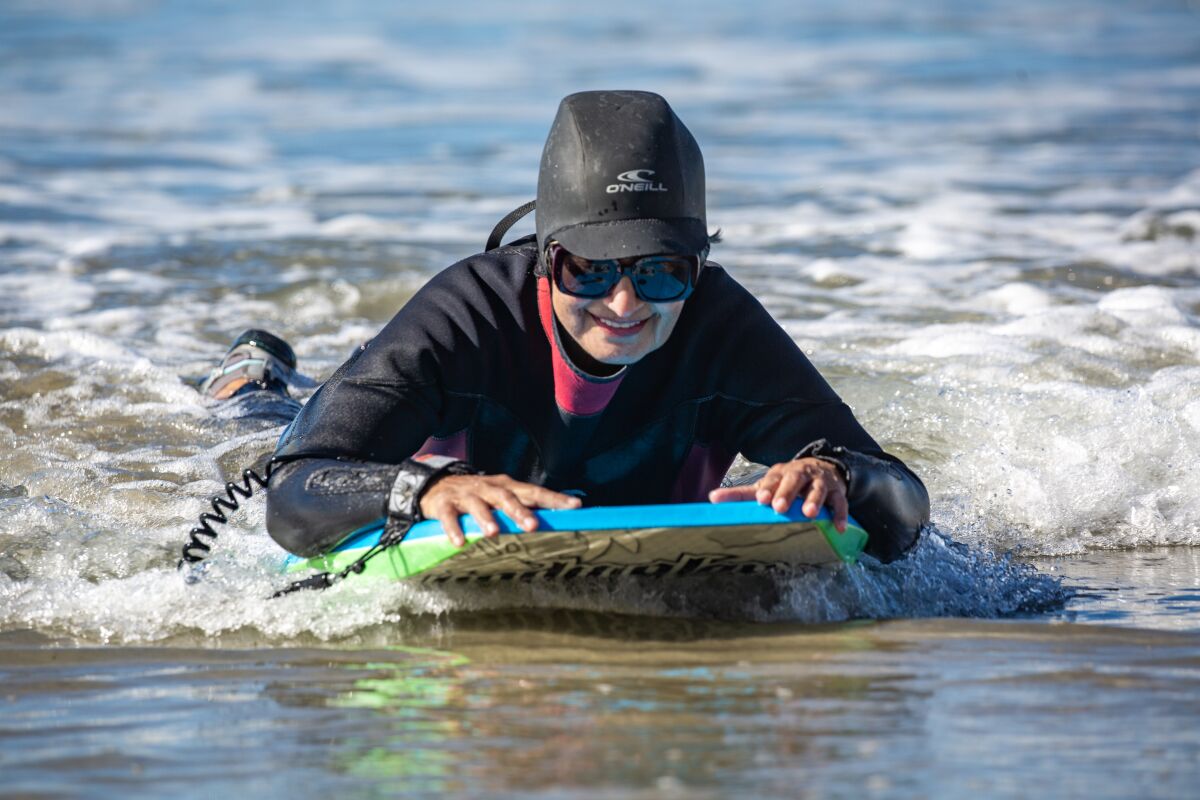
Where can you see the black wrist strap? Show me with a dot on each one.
(838, 456)
(414, 478)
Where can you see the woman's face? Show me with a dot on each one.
(619, 328)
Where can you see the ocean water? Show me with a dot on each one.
(980, 220)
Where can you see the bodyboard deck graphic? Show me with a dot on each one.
(656, 541)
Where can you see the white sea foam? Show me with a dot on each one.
(101, 594)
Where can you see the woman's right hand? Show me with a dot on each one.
(478, 495)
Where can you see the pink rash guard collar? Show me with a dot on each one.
(575, 391)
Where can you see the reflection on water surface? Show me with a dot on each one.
(591, 704)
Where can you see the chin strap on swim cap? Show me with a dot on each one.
(493, 241)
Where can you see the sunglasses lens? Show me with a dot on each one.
(584, 278)
(662, 278)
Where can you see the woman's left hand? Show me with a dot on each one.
(819, 481)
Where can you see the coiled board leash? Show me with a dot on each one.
(201, 537)
(196, 549)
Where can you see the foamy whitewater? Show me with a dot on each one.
(980, 222)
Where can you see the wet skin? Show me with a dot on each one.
(602, 335)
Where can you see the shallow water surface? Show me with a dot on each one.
(601, 705)
(979, 220)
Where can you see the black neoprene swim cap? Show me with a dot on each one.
(621, 176)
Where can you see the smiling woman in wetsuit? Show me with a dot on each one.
(603, 361)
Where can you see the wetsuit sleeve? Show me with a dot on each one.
(780, 407)
(344, 453)
(314, 503)
(884, 495)
(346, 456)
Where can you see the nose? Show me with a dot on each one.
(623, 300)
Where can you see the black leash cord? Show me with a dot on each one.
(394, 534)
(196, 549)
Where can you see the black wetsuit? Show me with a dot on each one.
(471, 368)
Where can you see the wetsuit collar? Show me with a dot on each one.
(575, 391)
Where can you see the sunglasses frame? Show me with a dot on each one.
(554, 264)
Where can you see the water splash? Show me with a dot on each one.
(114, 596)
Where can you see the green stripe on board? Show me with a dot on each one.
(417, 556)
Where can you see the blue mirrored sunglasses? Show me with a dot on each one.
(655, 279)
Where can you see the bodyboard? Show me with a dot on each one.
(653, 540)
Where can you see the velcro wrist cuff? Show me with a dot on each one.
(414, 478)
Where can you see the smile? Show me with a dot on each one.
(619, 328)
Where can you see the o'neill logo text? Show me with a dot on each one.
(635, 180)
